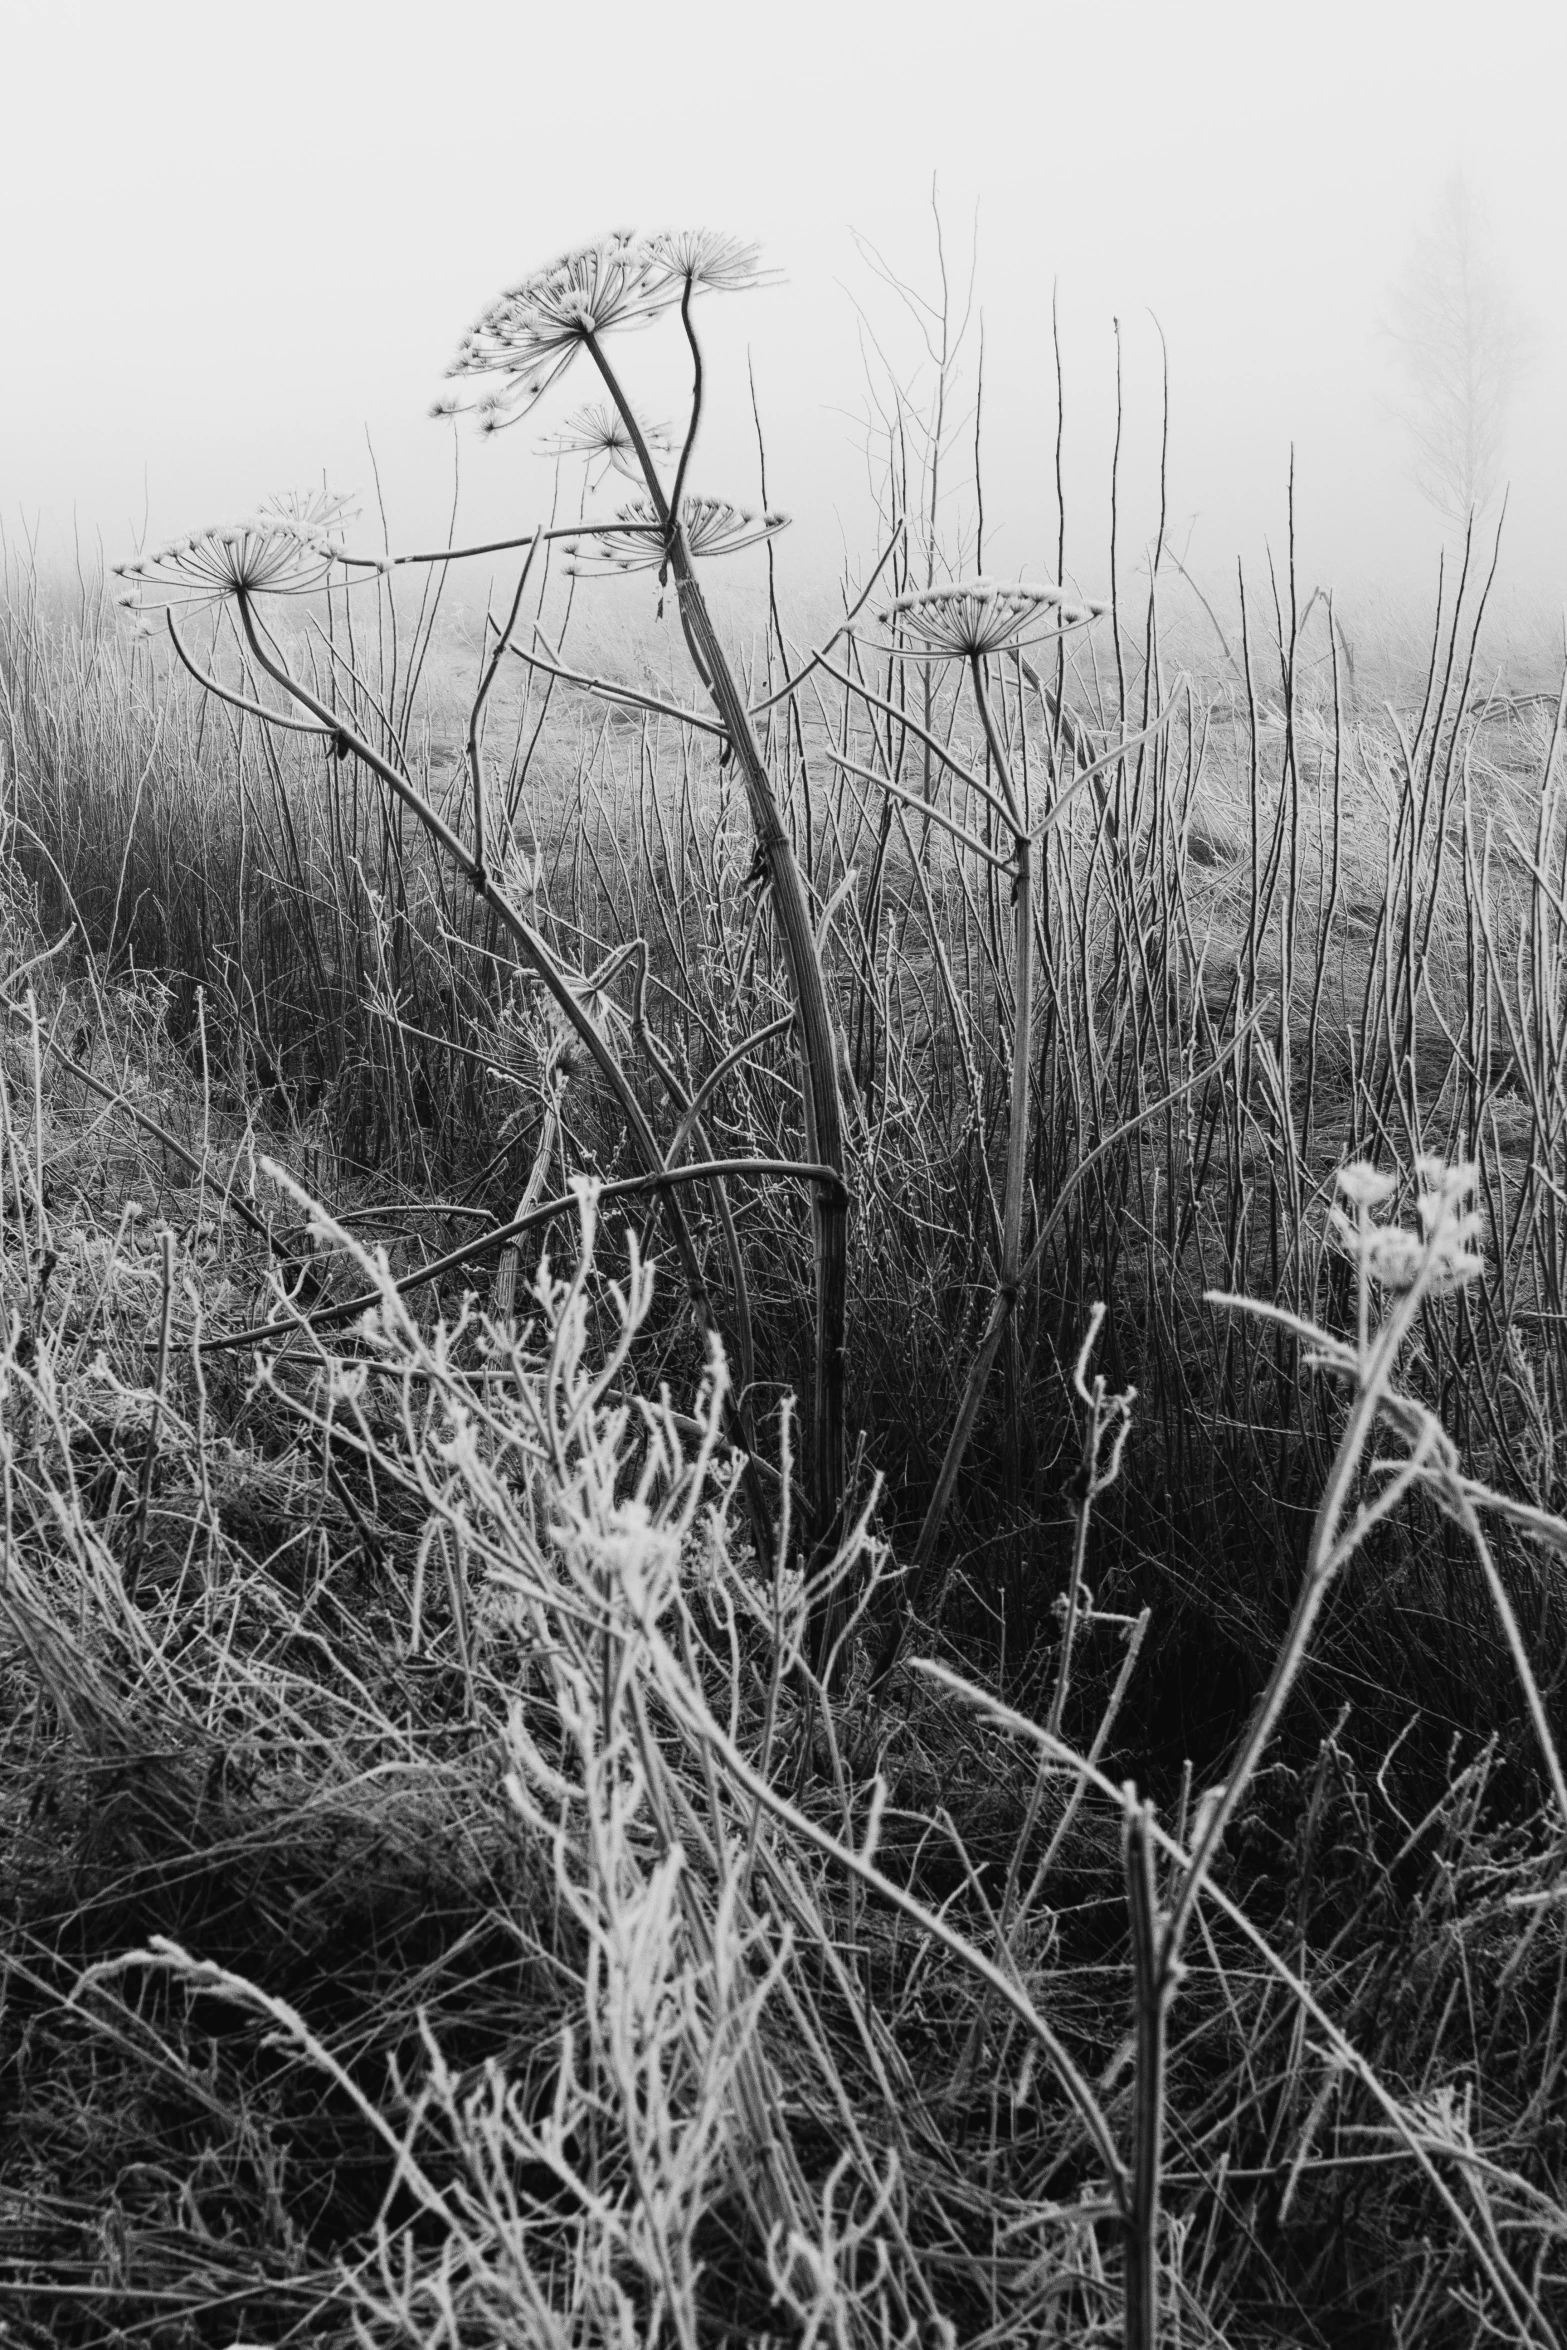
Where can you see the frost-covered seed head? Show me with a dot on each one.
(1365, 1186)
(974, 617)
(1443, 1254)
(708, 260)
(530, 334)
(711, 527)
(286, 548)
(599, 433)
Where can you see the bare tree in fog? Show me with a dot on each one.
(1463, 342)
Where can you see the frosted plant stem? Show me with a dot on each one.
(824, 1136)
(1155, 1977)
(1329, 1549)
(534, 950)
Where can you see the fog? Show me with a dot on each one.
(242, 246)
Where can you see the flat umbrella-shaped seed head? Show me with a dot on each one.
(600, 433)
(530, 334)
(970, 618)
(634, 540)
(286, 548)
(709, 261)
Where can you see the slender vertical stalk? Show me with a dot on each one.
(1154, 1977)
(1055, 340)
(476, 714)
(131, 1572)
(1018, 1108)
(1082, 1517)
(1115, 527)
(824, 1137)
(979, 476)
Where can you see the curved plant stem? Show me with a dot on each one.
(472, 1251)
(1510, 2288)
(537, 954)
(824, 1136)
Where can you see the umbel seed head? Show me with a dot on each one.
(531, 333)
(600, 433)
(286, 548)
(708, 261)
(634, 541)
(969, 618)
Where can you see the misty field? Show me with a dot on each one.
(784, 1426)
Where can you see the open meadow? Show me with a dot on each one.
(783, 1418)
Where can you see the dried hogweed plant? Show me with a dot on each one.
(519, 349)
(522, 345)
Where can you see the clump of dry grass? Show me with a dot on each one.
(421, 1929)
(1379, 909)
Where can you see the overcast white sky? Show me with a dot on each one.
(240, 238)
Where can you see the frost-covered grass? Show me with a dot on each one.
(443, 1903)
